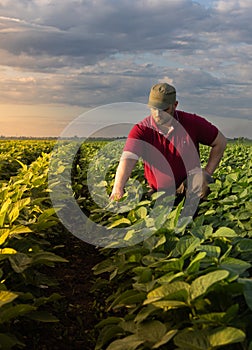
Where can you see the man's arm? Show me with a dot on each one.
(124, 169)
(216, 153)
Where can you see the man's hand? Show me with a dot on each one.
(116, 195)
(198, 183)
(123, 172)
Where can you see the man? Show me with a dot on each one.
(168, 142)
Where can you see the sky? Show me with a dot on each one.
(61, 59)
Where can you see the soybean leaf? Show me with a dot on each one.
(10, 312)
(245, 245)
(107, 334)
(166, 338)
(151, 331)
(192, 340)
(195, 263)
(129, 343)
(20, 262)
(8, 341)
(46, 257)
(169, 304)
(120, 222)
(187, 245)
(42, 316)
(226, 335)
(224, 232)
(4, 234)
(173, 291)
(145, 312)
(108, 321)
(235, 265)
(6, 297)
(212, 251)
(200, 285)
(247, 290)
(127, 298)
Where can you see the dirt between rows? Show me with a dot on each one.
(76, 310)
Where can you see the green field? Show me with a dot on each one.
(186, 286)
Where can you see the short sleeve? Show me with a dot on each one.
(133, 143)
(206, 131)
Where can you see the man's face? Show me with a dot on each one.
(162, 117)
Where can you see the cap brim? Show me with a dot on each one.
(158, 105)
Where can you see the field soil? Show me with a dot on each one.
(77, 312)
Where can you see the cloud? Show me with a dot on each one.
(89, 53)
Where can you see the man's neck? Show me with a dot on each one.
(165, 128)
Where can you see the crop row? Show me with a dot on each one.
(12, 152)
(187, 285)
(26, 229)
(164, 283)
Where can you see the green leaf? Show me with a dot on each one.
(16, 230)
(47, 214)
(145, 275)
(232, 177)
(14, 213)
(5, 252)
(10, 312)
(109, 321)
(174, 264)
(129, 235)
(8, 341)
(235, 265)
(43, 316)
(187, 245)
(192, 340)
(43, 300)
(169, 304)
(129, 326)
(20, 262)
(194, 264)
(173, 291)
(213, 317)
(128, 343)
(144, 313)
(47, 257)
(107, 265)
(200, 285)
(173, 217)
(128, 298)
(226, 335)
(141, 213)
(4, 234)
(107, 334)
(224, 232)
(120, 222)
(247, 290)
(7, 297)
(245, 245)
(3, 210)
(212, 251)
(151, 331)
(166, 338)
(169, 277)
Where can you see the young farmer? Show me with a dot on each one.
(168, 142)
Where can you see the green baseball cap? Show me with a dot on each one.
(161, 96)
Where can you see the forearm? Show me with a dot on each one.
(123, 172)
(216, 153)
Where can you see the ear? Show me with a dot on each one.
(175, 104)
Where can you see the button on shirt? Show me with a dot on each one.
(169, 158)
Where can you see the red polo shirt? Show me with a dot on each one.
(169, 158)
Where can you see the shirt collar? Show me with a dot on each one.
(173, 126)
